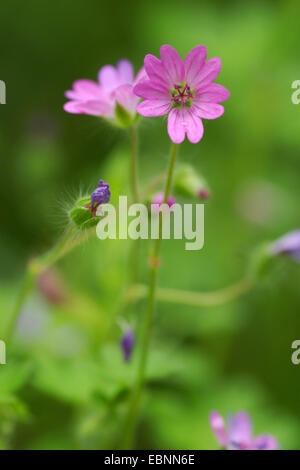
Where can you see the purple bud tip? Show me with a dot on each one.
(127, 344)
(100, 195)
(203, 193)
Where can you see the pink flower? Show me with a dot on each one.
(115, 85)
(239, 435)
(158, 200)
(184, 89)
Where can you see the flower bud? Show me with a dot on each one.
(51, 287)
(158, 200)
(84, 214)
(189, 183)
(264, 257)
(127, 344)
(80, 213)
(288, 244)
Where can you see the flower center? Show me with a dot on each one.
(182, 95)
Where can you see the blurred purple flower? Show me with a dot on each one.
(127, 344)
(239, 434)
(288, 244)
(101, 195)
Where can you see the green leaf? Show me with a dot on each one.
(13, 408)
(91, 222)
(13, 376)
(75, 381)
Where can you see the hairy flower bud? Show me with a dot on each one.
(189, 183)
(84, 213)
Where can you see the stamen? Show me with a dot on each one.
(181, 94)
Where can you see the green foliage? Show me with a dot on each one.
(188, 182)
(82, 216)
(65, 384)
(13, 378)
(124, 118)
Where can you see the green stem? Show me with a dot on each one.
(134, 248)
(28, 282)
(193, 299)
(135, 244)
(134, 164)
(147, 326)
(34, 268)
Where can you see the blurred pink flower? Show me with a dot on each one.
(51, 286)
(158, 200)
(115, 84)
(239, 434)
(184, 89)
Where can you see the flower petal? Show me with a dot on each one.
(193, 64)
(217, 424)
(208, 110)
(213, 93)
(264, 442)
(194, 126)
(155, 69)
(84, 89)
(153, 108)
(125, 97)
(109, 78)
(176, 130)
(288, 243)
(240, 429)
(173, 65)
(125, 70)
(183, 121)
(208, 72)
(73, 107)
(152, 90)
(97, 108)
(141, 76)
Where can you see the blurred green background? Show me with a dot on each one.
(65, 385)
